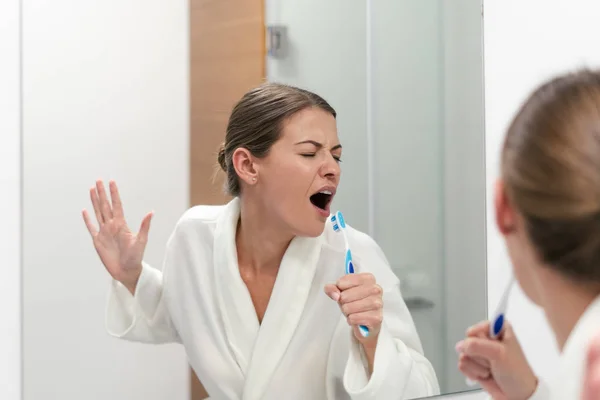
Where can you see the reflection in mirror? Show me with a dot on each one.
(409, 95)
(146, 103)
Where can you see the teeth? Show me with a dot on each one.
(325, 192)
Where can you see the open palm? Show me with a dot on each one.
(120, 250)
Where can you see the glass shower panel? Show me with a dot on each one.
(406, 130)
(325, 52)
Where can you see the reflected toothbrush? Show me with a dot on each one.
(339, 225)
(498, 319)
(497, 323)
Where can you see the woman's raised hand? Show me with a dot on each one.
(120, 250)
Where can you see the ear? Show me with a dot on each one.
(243, 163)
(506, 217)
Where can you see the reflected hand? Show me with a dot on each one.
(591, 384)
(499, 366)
(361, 300)
(120, 250)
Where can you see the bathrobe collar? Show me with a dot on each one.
(258, 348)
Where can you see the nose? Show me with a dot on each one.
(330, 168)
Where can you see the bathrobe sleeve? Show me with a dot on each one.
(401, 370)
(144, 316)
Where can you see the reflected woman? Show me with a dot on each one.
(548, 210)
(255, 289)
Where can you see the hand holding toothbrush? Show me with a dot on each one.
(338, 224)
(361, 300)
(498, 365)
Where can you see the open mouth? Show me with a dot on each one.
(322, 199)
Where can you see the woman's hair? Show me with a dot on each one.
(551, 170)
(257, 120)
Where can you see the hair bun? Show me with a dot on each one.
(221, 158)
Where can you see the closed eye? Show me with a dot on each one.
(310, 155)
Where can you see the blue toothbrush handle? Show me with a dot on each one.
(364, 331)
(497, 326)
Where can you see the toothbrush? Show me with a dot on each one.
(498, 320)
(497, 324)
(339, 225)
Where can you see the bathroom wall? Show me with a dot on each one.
(326, 54)
(10, 200)
(105, 95)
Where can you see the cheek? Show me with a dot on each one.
(285, 187)
(289, 178)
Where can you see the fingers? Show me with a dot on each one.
(333, 292)
(472, 363)
(96, 205)
(492, 350)
(105, 208)
(88, 223)
(480, 329)
(352, 280)
(472, 369)
(368, 318)
(360, 299)
(145, 228)
(481, 361)
(372, 303)
(485, 363)
(115, 199)
(361, 292)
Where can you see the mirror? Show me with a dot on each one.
(406, 78)
(141, 92)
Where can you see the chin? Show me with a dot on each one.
(313, 229)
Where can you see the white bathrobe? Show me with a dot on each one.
(567, 383)
(303, 349)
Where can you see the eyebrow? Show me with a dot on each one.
(319, 145)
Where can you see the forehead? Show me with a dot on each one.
(310, 124)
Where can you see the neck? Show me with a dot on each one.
(260, 243)
(564, 311)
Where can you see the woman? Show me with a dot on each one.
(548, 210)
(242, 284)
